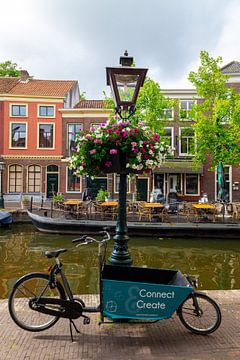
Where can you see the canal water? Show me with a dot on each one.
(216, 263)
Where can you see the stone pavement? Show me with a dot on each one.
(167, 339)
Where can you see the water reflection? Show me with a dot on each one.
(215, 262)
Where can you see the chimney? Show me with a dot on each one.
(24, 77)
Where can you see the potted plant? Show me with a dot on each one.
(25, 202)
(101, 148)
(58, 199)
(102, 195)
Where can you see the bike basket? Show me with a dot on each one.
(142, 293)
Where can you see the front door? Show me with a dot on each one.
(142, 189)
(52, 185)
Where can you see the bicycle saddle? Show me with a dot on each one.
(56, 253)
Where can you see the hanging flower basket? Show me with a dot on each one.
(118, 147)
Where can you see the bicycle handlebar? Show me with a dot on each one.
(85, 239)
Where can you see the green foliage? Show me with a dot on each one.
(151, 106)
(217, 117)
(8, 68)
(102, 195)
(58, 197)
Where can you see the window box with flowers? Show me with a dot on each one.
(118, 147)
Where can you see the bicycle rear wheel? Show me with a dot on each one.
(30, 286)
(200, 314)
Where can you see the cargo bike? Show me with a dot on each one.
(37, 300)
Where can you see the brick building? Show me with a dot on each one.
(38, 123)
(31, 133)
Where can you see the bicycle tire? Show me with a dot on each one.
(23, 290)
(204, 323)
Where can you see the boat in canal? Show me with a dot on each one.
(61, 225)
(5, 218)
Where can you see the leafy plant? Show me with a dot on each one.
(58, 197)
(102, 195)
(25, 200)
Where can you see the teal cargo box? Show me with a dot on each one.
(142, 293)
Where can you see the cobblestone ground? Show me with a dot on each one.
(166, 339)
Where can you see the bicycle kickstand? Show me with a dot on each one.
(71, 323)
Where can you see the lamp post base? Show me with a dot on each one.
(120, 254)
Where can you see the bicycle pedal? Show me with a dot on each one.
(86, 321)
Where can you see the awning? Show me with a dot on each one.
(181, 166)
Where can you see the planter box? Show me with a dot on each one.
(142, 293)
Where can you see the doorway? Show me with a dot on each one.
(52, 180)
(142, 189)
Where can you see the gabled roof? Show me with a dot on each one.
(90, 104)
(58, 88)
(7, 83)
(25, 85)
(231, 68)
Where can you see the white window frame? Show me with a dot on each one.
(10, 135)
(72, 191)
(180, 142)
(187, 110)
(128, 184)
(38, 137)
(46, 116)
(18, 116)
(165, 111)
(172, 137)
(185, 185)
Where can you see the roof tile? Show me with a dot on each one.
(90, 104)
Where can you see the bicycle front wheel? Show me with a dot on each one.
(31, 286)
(200, 314)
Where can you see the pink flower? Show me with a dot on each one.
(92, 152)
(156, 137)
(108, 163)
(113, 151)
(135, 150)
(133, 143)
(117, 132)
(124, 133)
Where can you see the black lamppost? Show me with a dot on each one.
(125, 82)
(2, 165)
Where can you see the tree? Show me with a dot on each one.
(217, 116)
(8, 68)
(150, 107)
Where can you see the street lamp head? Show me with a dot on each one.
(125, 82)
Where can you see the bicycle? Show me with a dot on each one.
(38, 300)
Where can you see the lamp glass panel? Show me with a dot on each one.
(126, 85)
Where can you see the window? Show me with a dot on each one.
(46, 111)
(34, 178)
(73, 181)
(168, 136)
(18, 110)
(73, 130)
(15, 178)
(185, 107)
(45, 135)
(168, 114)
(187, 143)
(18, 135)
(117, 182)
(192, 184)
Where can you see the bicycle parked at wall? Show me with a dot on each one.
(37, 300)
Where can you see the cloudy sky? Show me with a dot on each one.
(77, 39)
